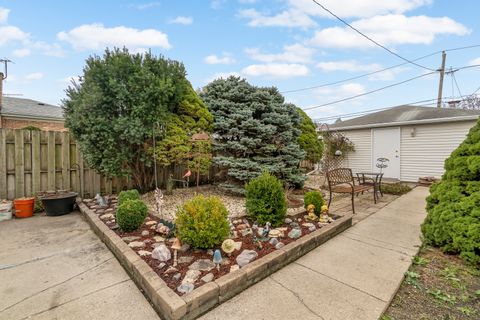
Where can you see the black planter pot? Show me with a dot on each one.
(59, 204)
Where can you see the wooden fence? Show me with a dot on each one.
(36, 161)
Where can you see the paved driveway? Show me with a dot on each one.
(57, 268)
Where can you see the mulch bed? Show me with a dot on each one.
(197, 254)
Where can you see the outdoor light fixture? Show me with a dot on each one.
(338, 153)
(413, 132)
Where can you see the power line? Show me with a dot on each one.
(370, 92)
(462, 48)
(370, 39)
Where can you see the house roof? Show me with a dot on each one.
(406, 115)
(27, 108)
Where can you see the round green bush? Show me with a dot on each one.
(266, 200)
(202, 222)
(128, 195)
(131, 214)
(315, 198)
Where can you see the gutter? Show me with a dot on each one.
(406, 123)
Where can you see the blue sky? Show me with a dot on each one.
(290, 44)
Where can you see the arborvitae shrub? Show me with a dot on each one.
(266, 200)
(315, 198)
(453, 220)
(131, 214)
(128, 195)
(202, 222)
(395, 188)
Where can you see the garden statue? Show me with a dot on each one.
(255, 230)
(217, 258)
(163, 229)
(100, 201)
(228, 246)
(324, 217)
(158, 201)
(177, 245)
(266, 230)
(311, 213)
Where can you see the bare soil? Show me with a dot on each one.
(438, 286)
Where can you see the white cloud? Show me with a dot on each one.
(182, 20)
(214, 59)
(348, 65)
(21, 52)
(276, 70)
(388, 30)
(147, 5)
(247, 1)
(12, 34)
(475, 61)
(4, 15)
(54, 50)
(216, 4)
(343, 91)
(387, 75)
(222, 75)
(34, 76)
(287, 18)
(96, 36)
(295, 53)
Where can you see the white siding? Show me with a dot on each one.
(424, 153)
(361, 158)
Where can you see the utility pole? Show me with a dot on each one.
(3, 76)
(440, 85)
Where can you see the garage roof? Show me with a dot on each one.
(27, 108)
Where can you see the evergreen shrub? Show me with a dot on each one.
(126, 195)
(131, 214)
(395, 188)
(265, 200)
(315, 198)
(202, 222)
(453, 220)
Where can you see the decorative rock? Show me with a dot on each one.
(185, 247)
(279, 245)
(238, 245)
(159, 239)
(308, 225)
(202, 265)
(242, 226)
(260, 231)
(288, 220)
(185, 288)
(144, 253)
(246, 232)
(235, 267)
(147, 241)
(228, 246)
(150, 223)
(177, 276)
(210, 252)
(136, 244)
(107, 216)
(235, 234)
(295, 233)
(171, 270)
(191, 276)
(273, 241)
(100, 211)
(312, 228)
(145, 233)
(237, 221)
(161, 253)
(109, 210)
(185, 259)
(161, 265)
(246, 222)
(294, 225)
(299, 219)
(275, 233)
(130, 239)
(115, 226)
(207, 278)
(246, 257)
(153, 227)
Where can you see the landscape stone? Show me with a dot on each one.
(109, 210)
(202, 265)
(145, 233)
(107, 216)
(312, 228)
(207, 278)
(191, 276)
(100, 211)
(144, 253)
(294, 225)
(177, 276)
(161, 253)
(159, 239)
(295, 233)
(136, 244)
(238, 245)
(184, 247)
(150, 223)
(288, 220)
(171, 270)
(235, 267)
(185, 259)
(130, 238)
(241, 226)
(246, 257)
(273, 241)
(115, 226)
(185, 288)
(210, 252)
(246, 232)
(279, 245)
(161, 265)
(308, 225)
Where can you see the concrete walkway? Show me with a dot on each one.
(353, 276)
(57, 268)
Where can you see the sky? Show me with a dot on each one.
(289, 44)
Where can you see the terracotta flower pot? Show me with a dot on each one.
(24, 207)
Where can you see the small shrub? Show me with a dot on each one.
(128, 195)
(131, 214)
(395, 188)
(315, 198)
(266, 200)
(31, 128)
(202, 222)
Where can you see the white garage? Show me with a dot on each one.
(416, 140)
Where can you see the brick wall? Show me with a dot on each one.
(8, 123)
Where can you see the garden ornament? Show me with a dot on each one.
(324, 217)
(158, 201)
(228, 246)
(266, 230)
(177, 245)
(100, 200)
(311, 213)
(255, 230)
(217, 258)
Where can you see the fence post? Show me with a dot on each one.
(19, 165)
(36, 186)
(51, 160)
(3, 164)
(65, 161)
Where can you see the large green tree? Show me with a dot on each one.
(453, 220)
(115, 108)
(308, 139)
(254, 131)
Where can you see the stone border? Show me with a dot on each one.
(191, 305)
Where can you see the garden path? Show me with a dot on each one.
(353, 276)
(57, 268)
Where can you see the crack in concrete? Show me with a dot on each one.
(56, 285)
(376, 246)
(297, 296)
(75, 299)
(346, 284)
(370, 238)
